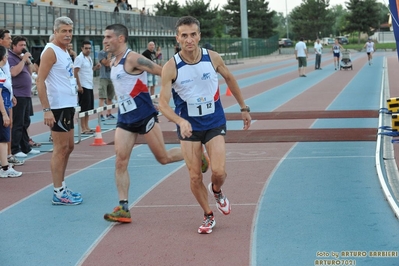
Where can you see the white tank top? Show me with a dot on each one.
(60, 82)
(369, 47)
(196, 93)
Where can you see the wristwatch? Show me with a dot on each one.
(46, 110)
(246, 109)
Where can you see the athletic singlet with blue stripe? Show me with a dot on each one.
(196, 93)
(132, 93)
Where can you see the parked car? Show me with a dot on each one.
(285, 42)
(343, 40)
(327, 41)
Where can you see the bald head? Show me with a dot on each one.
(151, 46)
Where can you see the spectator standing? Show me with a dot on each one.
(6, 169)
(129, 6)
(336, 49)
(106, 91)
(370, 48)
(200, 122)
(136, 114)
(150, 54)
(177, 48)
(318, 49)
(51, 9)
(301, 54)
(116, 12)
(20, 68)
(56, 86)
(83, 72)
(91, 4)
(71, 52)
(6, 41)
(142, 18)
(123, 4)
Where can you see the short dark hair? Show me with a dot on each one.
(18, 39)
(301, 39)
(187, 20)
(3, 52)
(3, 33)
(119, 29)
(85, 42)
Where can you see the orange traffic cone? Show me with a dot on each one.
(98, 138)
(228, 92)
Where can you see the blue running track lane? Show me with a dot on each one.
(322, 199)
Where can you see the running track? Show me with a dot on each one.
(293, 203)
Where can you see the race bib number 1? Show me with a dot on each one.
(126, 104)
(200, 106)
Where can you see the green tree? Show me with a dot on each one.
(171, 9)
(211, 22)
(260, 18)
(311, 18)
(281, 23)
(339, 13)
(363, 16)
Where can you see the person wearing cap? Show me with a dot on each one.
(370, 48)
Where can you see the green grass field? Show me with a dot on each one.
(355, 46)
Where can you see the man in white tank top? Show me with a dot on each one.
(191, 73)
(370, 48)
(56, 86)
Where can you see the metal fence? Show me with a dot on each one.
(242, 47)
(39, 20)
(36, 23)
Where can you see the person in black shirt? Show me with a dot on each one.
(151, 55)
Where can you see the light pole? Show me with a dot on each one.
(286, 18)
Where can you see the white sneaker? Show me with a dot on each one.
(222, 203)
(20, 155)
(33, 151)
(9, 173)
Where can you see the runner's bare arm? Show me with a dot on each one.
(138, 63)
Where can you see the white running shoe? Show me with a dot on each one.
(222, 203)
(9, 173)
(207, 225)
(20, 155)
(33, 151)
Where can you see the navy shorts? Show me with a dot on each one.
(5, 132)
(141, 127)
(336, 54)
(205, 135)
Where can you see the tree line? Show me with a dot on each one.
(311, 19)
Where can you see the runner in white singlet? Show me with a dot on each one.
(336, 49)
(370, 48)
(191, 75)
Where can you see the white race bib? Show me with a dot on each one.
(200, 106)
(126, 104)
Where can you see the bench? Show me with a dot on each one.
(230, 57)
